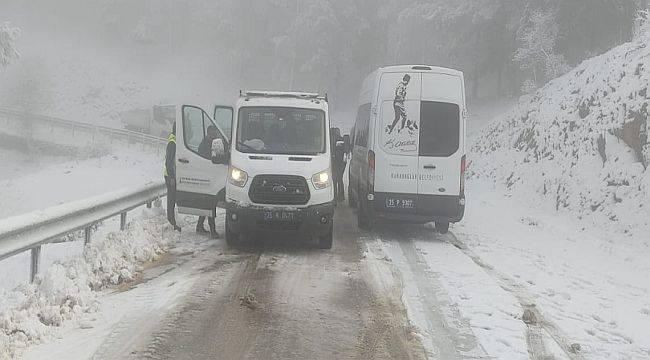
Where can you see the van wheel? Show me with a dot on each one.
(352, 202)
(325, 241)
(232, 239)
(442, 227)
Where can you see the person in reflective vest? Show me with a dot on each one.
(170, 178)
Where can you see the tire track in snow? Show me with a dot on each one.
(459, 334)
(426, 300)
(536, 323)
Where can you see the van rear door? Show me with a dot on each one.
(199, 181)
(396, 149)
(441, 138)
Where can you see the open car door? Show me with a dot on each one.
(223, 116)
(200, 178)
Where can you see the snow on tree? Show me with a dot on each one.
(8, 37)
(537, 38)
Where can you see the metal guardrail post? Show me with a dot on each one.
(87, 233)
(123, 221)
(35, 260)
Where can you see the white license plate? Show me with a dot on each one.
(398, 203)
(270, 215)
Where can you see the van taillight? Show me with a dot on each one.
(463, 166)
(371, 159)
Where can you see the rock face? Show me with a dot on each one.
(581, 142)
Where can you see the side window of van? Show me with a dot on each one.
(195, 131)
(362, 125)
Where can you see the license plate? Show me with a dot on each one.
(278, 215)
(397, 203)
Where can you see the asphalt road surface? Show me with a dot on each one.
(283, 300)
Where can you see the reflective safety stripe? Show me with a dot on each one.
(170, 139)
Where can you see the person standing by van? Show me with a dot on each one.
(335, 137)
(338, 163)
(205, 150)
(170, 178)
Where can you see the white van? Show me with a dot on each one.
(408, 158)
(280, 178)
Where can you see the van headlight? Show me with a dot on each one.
(237, 177)
(322, 179)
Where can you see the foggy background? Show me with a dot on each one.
(88, 60)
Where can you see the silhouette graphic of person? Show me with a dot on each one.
(398, 105)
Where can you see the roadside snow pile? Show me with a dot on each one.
(67, 291)
(581, 142)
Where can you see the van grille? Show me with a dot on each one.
(279, 190)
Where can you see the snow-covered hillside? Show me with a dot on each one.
(580, 143)
(38, 181)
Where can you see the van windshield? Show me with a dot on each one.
(281, 130)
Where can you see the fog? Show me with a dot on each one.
(139, 53)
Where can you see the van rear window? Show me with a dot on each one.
(439, 128)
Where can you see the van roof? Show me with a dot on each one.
(282, 99)
(281, 94)
(419, 68)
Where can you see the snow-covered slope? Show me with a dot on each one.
(39, 183)
(580, 143)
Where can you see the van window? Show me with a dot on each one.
(439, 128)
(196, 124)
(223, 118)
(362, 125)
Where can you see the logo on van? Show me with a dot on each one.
(279, 188)
(400, 109)
(401, 129)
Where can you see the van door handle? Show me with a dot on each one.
(184, 161)
(430, 167)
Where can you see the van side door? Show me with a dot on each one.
(200, 176)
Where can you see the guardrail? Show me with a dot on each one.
(32, 230)
(19, 123)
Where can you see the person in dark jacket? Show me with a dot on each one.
(338, 163)
(170, 178)
(205, 150)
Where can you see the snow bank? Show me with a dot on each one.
(580, 143)
(66, 291)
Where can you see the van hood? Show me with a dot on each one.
(302, 165)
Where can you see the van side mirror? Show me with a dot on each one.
(219, 155)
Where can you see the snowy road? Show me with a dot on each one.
(277, 301)
(399, 292)
(287, 302)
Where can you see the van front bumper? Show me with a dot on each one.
(315, 220)
(427, 208)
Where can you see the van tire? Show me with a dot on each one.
(442, 227)
(325, 241)
(232, 239)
